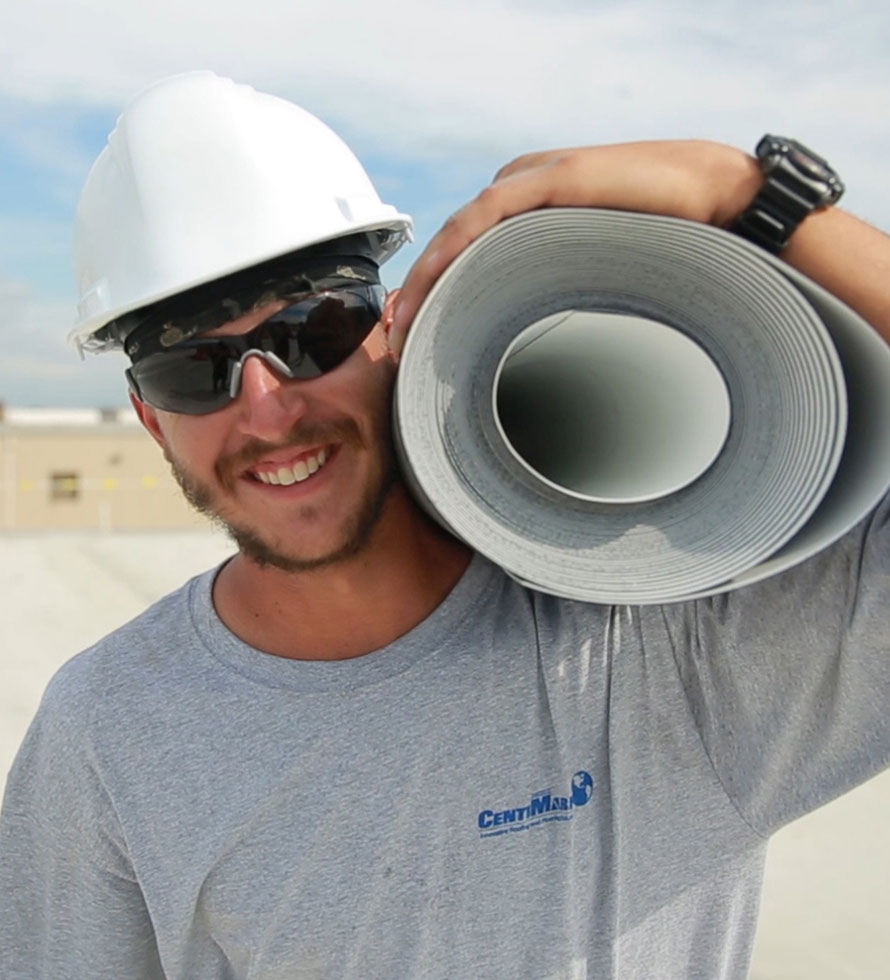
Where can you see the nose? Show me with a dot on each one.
(268, 401)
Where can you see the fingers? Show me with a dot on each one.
(517, 188)
(528, 161)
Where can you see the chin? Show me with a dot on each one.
(265, 555)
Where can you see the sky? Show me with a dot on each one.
(433, 97)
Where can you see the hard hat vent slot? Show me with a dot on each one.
(359, 208)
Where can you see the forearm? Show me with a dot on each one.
(850, 259)
(846, 256)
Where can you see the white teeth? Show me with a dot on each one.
(301, 470)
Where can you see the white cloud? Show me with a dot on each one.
(26, 238)
(477, 81)
(472, 72)
(12, 296)
(484, 79)
(39, 368)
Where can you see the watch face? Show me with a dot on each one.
(808, 162)
(779, 153)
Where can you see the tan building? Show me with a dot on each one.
(63, 469)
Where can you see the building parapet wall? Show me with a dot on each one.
(85, 469)
(66, 417)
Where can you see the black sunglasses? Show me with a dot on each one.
(305, 340)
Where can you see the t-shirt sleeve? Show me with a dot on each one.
(70, 904)
(789, 679)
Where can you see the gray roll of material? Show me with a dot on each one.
(627, 408)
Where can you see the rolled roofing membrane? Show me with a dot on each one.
(627, 408)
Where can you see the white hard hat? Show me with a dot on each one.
(202, 178)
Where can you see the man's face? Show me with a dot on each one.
(298, 472)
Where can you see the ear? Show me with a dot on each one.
(149, 418)
(386, 320)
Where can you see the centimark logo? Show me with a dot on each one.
(544, 807)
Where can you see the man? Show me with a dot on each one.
(357, 750)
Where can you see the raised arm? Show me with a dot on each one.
(693, 179)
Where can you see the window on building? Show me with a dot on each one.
(64, 486)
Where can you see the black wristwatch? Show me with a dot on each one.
(796, 183)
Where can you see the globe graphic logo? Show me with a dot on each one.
(582, 788)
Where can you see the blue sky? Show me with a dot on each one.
(433, 97)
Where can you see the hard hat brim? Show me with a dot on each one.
(83, 335)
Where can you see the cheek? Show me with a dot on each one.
(374, 390)
(189, 439)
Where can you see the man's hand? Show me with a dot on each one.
(691, 179)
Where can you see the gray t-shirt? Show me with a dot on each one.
(520, 787)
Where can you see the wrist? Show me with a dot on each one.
(736, 179)
(795, 184)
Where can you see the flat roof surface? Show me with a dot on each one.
(826, 897)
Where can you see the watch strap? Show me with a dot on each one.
(785, 199)
(775, 213)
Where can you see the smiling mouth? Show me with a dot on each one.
(285, 476)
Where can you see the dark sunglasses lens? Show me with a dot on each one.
(320, 336)
(190, 380)
(311, 337)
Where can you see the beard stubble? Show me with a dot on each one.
(359, 526)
